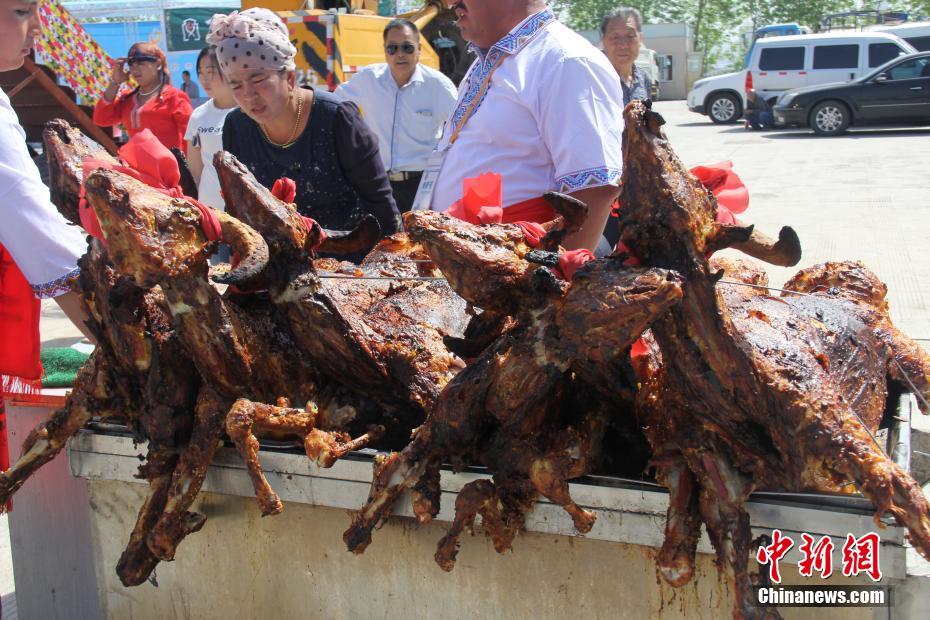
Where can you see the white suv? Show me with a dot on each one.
(778, 64)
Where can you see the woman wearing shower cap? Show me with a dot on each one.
(283, 130)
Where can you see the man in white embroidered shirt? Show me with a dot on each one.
(405, 104)
(541, 107)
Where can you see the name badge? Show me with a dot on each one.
(424, 197)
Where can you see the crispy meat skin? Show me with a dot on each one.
(66, 147)
(755, 384)
(503, 408)
(236, 343)
(384, 338)
(138, 371)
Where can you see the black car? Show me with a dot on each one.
(896, 92)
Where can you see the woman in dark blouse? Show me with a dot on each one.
(282, 130)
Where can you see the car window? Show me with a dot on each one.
(781, 59)
(836, 56)
(922, 44)
(909, 69)
(880, 53)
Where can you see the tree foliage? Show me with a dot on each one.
(714, 21)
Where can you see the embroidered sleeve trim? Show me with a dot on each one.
(592, 177)
(56, 287)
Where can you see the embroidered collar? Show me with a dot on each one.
(512, 43)
(516, 39)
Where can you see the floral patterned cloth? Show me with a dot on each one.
(73, 54)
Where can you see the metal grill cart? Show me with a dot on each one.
(72, 519)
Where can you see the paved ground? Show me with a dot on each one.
(860, 196)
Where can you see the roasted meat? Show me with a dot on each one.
(236, 343)
(754, 401)
(503, 409)
(378, 327)
(66, 148)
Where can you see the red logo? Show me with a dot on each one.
(860, 555)
(817, 557)
(771, 554)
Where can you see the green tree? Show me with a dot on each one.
(715, 21)
(710, 19)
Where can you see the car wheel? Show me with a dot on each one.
(829, 118)
(723, 109)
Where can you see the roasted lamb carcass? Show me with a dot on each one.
(748, 391)
(379, 327)
(138, 372)
(238, 347)
(504, 409)
(66, 148)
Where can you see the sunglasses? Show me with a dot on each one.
(140, 58)
(392, 48)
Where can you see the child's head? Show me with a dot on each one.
(208, 72)
(19, 28)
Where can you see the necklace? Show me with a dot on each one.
(150, 92)
(290, 142)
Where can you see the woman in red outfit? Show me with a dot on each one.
(154, 104)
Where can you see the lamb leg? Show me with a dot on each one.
(240, 423)
(502, 504)
(176, 522)
(683, 522)
(393, 474)
(426, 494)
(47, 439)
(724, 491)
(137, 561)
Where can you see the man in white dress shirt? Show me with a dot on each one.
(541, 107)
(405, 104)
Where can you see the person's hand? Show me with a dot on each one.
(117, 73)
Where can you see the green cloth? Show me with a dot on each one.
(61, 365)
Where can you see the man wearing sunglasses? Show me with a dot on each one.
(405, 104)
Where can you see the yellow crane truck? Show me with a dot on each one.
(334, 39)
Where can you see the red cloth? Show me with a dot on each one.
(19, 325)
(4, 442)
(149, 161)
(726, 186)
(166, 116)
(481, 204)
(285, 189)
(20, 368)
(571, 261)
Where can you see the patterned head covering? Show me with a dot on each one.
(253, 39)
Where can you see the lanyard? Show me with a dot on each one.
(474, 104)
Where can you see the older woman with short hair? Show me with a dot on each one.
(622, 36)
(283, 130)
